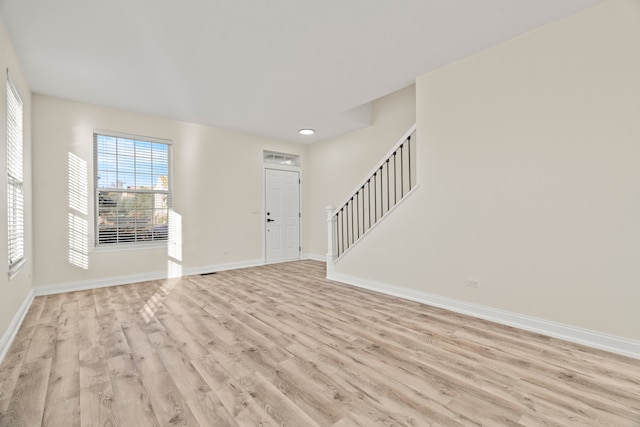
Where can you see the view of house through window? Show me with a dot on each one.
(15, 195)
(132, 189)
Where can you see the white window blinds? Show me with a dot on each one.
(15, 191)
(132, 189)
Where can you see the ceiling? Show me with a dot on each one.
(264, 67)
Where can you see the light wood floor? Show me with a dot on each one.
(280, 345)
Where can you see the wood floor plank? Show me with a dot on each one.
(8, 380)
(97, 407)
(52, 305)
(169, 406)
(236, 401)
(321, 393)
(64, 379)
(304, 393)
(281, 345)
(88, 328)
(67, 410)
(129, 392)
(280, 408)
(22, 341)
(187, 379)
(26, 407)
(373, 381)
(42, 343)
(209, 411)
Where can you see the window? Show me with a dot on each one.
(133, 193)
(15, 188)
(281, 158)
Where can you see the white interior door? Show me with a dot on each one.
(282, 215)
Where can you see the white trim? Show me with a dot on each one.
(10, 334)
(7, 339)
(14, 89)
(137, 278)
(154, 191)
(15, 268)
(599, 340)
(124, 135)
(223, 267)
(314, 257)
(282, 168)
(60, 288)
(611, 343)
(122, 247)
(294, 157)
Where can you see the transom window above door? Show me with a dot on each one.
(281, 158)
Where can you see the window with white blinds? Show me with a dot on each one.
(15, 190)
(133, 191)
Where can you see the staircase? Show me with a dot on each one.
(388, 183)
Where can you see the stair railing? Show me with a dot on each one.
(388, 182)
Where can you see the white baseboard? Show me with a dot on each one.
(84, 285)
(611, 343)
(223, 267)
(14, 326)
(314, 257)
(136, 278)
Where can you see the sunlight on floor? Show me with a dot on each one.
(174, 268)
(149, 310)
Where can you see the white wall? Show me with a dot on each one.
(15, 291)
(217, 191)
(529, 179)
(339, 164)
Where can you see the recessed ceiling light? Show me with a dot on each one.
(307, 131)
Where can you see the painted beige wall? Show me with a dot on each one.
(339, 164)
(15, 291)
(528, 164)
(217, 191)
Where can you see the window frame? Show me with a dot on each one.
(15, 180)
(282, 159)
(137, 242)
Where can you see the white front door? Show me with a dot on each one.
(282, 215)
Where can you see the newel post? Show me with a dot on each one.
(331, 245)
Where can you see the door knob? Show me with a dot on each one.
(270, 220)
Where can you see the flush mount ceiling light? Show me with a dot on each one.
(306, 131)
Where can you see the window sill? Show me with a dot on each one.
(13, 269)
(131, 247)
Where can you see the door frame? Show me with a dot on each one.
(286, 168)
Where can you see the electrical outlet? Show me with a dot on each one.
(473, 283)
